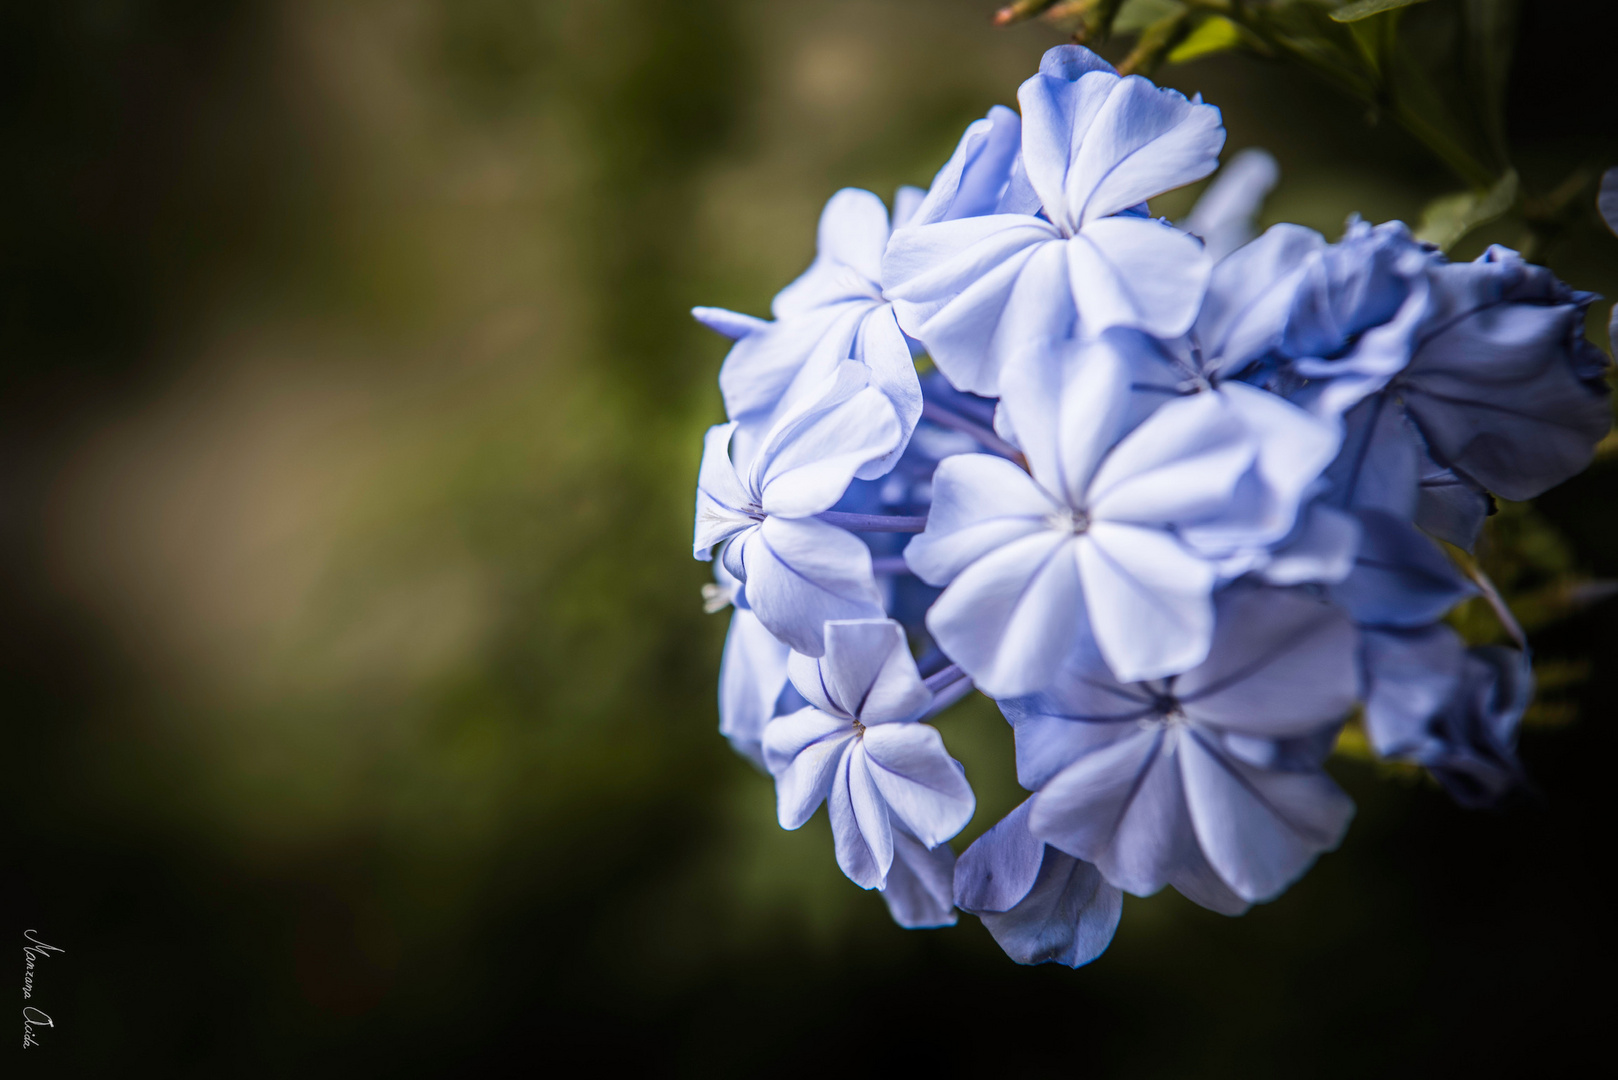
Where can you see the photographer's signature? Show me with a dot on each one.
(33, 951)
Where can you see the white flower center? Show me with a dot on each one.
(1069, 520)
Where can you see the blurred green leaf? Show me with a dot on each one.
(1449, 218)
(1490, 28)
(1364, 9)
(1214, 35)
(1137, 15)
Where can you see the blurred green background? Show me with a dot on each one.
(360, 699)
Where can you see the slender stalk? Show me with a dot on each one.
(873, 522)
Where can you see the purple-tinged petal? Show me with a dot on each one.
(1083, 713)
(1259, 829)
(1400, 577)
(1000, 867)
(882, 347)
(922, 785)
(1320, 550)
(1282, 664)
(1378, 467)
(1069, 916)
(1120, 808)
(1412, 675)
(800, 574)
(848, 263)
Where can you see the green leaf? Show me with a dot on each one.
(1214, 35)
(1448, 218)
(1490, 28)
(1364, 9)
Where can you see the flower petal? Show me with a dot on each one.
(1129, 271)
(919, 883)
(813, 453)
(923, 786)
(1282, 664)
(861, 832)
(1148, 600)
(1260, 830)
(980, 503)
(801, 573)
(869, 672)
(803, 750)
(752, 675)
(1010, 617)
(722, 500)
(1179, 466)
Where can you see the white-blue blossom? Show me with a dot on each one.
(1068, 242)
(752, 672)
(799, 571)
(1208, 781)
(859, 747)
(1087, 542)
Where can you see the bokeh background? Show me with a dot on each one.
(360, 699)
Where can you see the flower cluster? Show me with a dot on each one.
(1168, 494)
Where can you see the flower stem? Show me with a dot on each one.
(873, 522)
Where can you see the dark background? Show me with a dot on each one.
(359, 699)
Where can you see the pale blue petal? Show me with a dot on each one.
(1143, 141)
(848, 263)
(1250, 296)
(812, 454)
(804, 750)
(752, 675)
(980, 503)
(1181, 465)
(861, 831)
(923, 786)
(1148, 598)
(1293, 448)
(919, 884)
(951, 282)
(1057, 111)
(731, 324)
(1259, 829)
(723, 502)
(970, 183)
(1010, 617)
(1224, 213)
(869, 672)
(801, 573)
(1068, 409)
(882, 347)
(1085, 711)
(1129, 271)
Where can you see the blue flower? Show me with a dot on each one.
(798, 571)
(752, 672)
(1209, 781)
(1068, 242)
(833, 313)
(894, 795)
(1041, 904)
(1089, 544)
(1452, 709)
